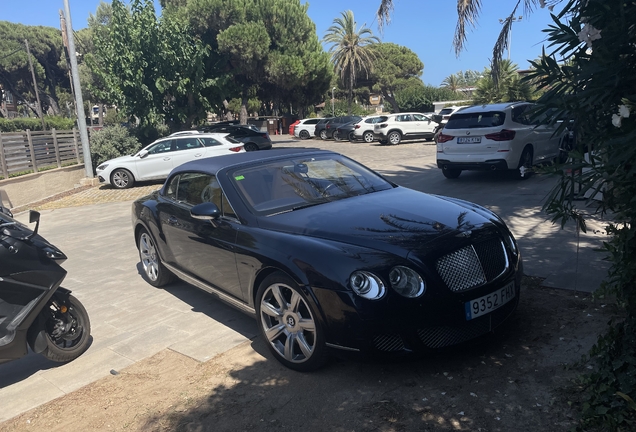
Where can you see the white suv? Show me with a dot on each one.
(363, 130)
(305, 129)
(404, 126)
(496, 137)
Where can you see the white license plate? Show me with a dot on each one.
(488, 303)
(469, 140)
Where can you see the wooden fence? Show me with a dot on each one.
(26, 152)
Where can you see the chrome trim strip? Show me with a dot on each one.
(214, 291)
(330, 345)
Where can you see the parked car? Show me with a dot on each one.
(156, 160)
(319, 130)
(444, 114)
(398, 127)
(364, 129)
(345, 132)
(306, 127)
(331, 127)
(328, 255)
(249, 135)
(502, 136)
(292, 126)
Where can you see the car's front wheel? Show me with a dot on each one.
(352, 137)
(289, 324)
(336, 136)
(368, 137)
(323, 134)
(154, 271)
(394, 137)
(122, 179)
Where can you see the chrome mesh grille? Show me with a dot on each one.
(388, 342)
(461, 269)
(473, 265)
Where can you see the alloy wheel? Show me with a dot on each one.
(148, 254)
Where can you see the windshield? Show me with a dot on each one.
(476, 120)
(295, 183)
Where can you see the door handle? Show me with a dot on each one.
(198, 155)
(173, 220)
(166, 158)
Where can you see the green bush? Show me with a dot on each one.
(35, 124)
(112, 142)
(149, 133)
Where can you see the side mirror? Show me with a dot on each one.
(205, 211)
(34, 216)
(143, 154)
(6, 211)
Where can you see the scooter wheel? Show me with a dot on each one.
(75, 340)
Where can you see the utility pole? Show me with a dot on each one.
(35, 85)
(79, 102)
(66, 52)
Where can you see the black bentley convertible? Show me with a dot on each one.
(327, 254)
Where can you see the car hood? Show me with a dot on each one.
(398, 221)
(122, 159)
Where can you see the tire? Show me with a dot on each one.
(154, 271)
(304, 134)
(383, 142)
(525, 161)
(451, 173)
(67, 334)
(122, 179)
(368, 137)
(291, 331)
(335, 136)
(394, 137)
(352, 137)
(323, 134)
(250, 147)
(564, 151)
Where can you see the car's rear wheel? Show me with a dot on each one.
(154, 271)
(368, 137)
(336, 136)
(289, 325)
(383, 141)
(352, 136)
(250, 147)
(451, 173)
(122, 179)
(394, 137)
(304, 134)
(323, 134)
(524, 170)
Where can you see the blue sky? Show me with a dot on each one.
(425, 26)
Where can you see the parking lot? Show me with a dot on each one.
(132, 321)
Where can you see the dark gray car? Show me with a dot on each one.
(252, 138)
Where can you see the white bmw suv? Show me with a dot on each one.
(398, 127)
(500, 136)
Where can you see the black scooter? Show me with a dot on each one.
(34, 308)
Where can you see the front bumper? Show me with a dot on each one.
(398, 328)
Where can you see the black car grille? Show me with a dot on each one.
(473, 265)
(388, 342)
(439, 337)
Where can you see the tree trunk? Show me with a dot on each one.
(243, 115)
(389, 97)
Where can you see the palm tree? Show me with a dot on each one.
(467, 15)
(451, 82)
(351, 50)
(511, 87)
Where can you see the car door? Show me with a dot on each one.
(405, 123)
(157, 163)
(201, 248)
(186, 149)
(423, 126)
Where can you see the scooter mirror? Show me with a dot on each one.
(34, 216)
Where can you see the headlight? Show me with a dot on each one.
(367, 285)
(510, 242)
(406, 282)
(102, 167)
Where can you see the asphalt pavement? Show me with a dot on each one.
(131, 320)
